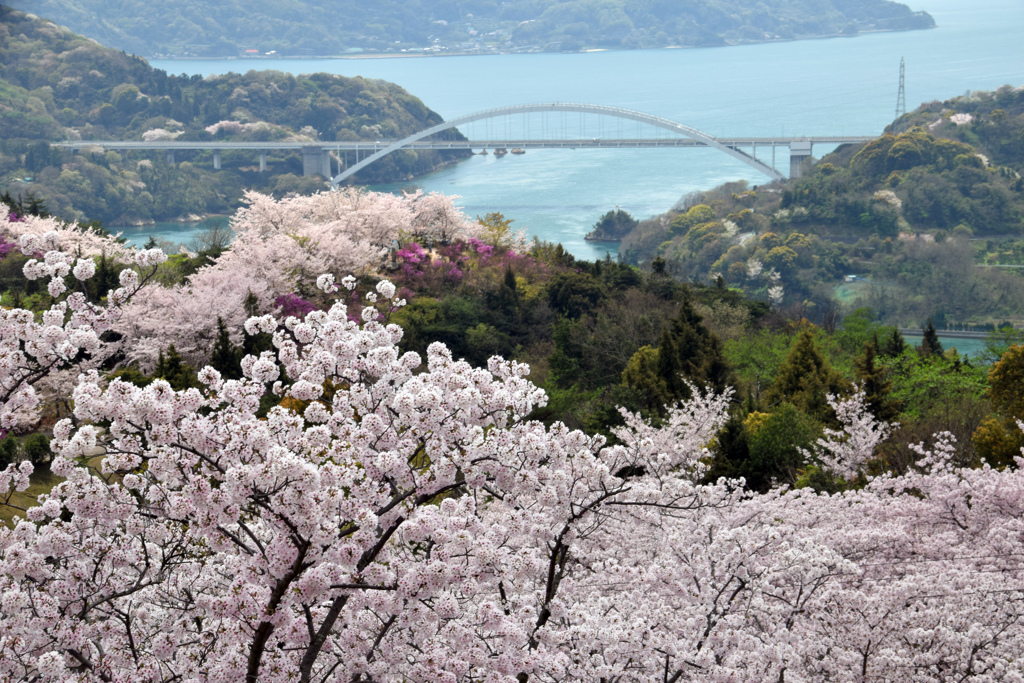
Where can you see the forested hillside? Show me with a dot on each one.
(227, 29)
(904, 220)
(56, 85)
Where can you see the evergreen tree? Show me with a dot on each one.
(930, 345)
(506, 302)
(644, 378)
(732, 454)
(875, 384)
(687, 350)
(894, 345)
(564, 362)
(8, 450)
(805, 379)
(173, 368)
(104, 280)
(255, 344)
(225, 356)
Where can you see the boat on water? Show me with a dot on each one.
(518, 150)
(500, 152)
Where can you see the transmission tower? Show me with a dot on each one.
(901, 99)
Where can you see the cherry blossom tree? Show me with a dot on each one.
(289, 242)
(72, 238)
(68, 334)
(397, 518)
(396, 522)
(186, 315)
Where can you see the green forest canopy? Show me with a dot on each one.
(56, 85)
(229, 28)
(905, 220)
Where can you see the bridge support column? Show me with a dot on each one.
(170, 157)
(263, 161)
(316, 161)
(798, 151)
(216, 160)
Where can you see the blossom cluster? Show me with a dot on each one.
(401, 518)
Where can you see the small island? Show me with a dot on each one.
(612, 227)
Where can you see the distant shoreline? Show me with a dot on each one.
(419, 55)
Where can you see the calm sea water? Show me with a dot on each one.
(817, 87)
(969, 347)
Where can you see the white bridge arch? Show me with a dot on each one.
(614, 112)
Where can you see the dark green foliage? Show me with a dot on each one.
(173, 368)
(821, 480)
(805, 379)
(689, 352)
(255, 344)
(776, 446)
(29, 205)
(894, 345)
(732, 454)
(574, 293)
(37, 449)
(105, 279)
(613, 226)
(930, 344)
(874, 381)
(8, 450)
(132, 375)
(225, 356)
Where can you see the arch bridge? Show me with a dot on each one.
(320, 157)
(799, 148)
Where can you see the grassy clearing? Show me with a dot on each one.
(42, 481)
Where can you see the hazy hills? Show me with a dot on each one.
(303, 27)
(56, 85)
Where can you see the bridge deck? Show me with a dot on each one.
(377, 145)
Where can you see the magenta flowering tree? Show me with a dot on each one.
(431, 273)
(293, 305)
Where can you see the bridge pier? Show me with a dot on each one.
(263, 161)
(316, 161)
(170, 157)
(216, 160)
(798, 151)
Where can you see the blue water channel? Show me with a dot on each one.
(840, 86)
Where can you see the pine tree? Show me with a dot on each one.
(506, 302)
(225, 356)
(805, 379)
(687, 350)
(876, 385)
(894, 346)
(255, 344)
(104, 280)
(173, 368)
(930, 344)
